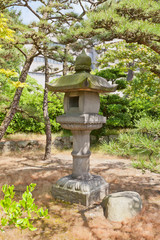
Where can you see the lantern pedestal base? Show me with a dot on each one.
(81, 191)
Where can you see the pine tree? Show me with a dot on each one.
(127, 56)
(134, 21)
(53, 21)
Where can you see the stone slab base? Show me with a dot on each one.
(85, 192)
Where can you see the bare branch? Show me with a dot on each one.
(52, 74)
(31, 9)
(24, 54)
(156, 71)
(84, 11)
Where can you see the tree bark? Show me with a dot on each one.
(65, 66)
(46, 115)
(47, 154)
(130, 74)
(16, 98)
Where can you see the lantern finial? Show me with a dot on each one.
(83, 62)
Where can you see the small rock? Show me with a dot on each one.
(63, 142)
(1, 145)
(103, 139)
(71, 139)
(66, 142)
(34, 142)
(22, 144)
(121, 206)
(8, 147)
(93, 139)
(113, 137)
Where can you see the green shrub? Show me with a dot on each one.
(22, 213)
(122, 84)
(148, 126)
(114, 107)
(116, 110)
(143, 94)
(151, 165)
(142, 143)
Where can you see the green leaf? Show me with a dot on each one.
(20, 221)
(31, 228)
(4, 221)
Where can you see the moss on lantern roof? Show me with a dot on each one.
(82, 80)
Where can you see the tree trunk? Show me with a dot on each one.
(47, 154)
(46, 115)
(130, 75)
(16, 98)
(65, 66)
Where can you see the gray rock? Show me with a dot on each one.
(1, 145)
(121, 206)
(71, 139)
(66, 142)
(113, 137)
(22, 144)
(58, 142)
(93, 139)
(6, 148)
(9, 146)
(103, 139)
(63, 142)
(33, 143)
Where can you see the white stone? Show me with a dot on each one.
(122, 205)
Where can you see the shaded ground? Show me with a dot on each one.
(75, 222)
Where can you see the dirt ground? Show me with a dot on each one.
(76, 222)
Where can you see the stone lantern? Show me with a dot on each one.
(81, 106)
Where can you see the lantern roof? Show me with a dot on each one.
(81, 80)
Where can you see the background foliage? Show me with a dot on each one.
(139, 96)
(29, 117)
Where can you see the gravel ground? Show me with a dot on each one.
(76, 222)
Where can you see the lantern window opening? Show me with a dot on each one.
(74, 102)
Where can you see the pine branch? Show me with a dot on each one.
(20, 110)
